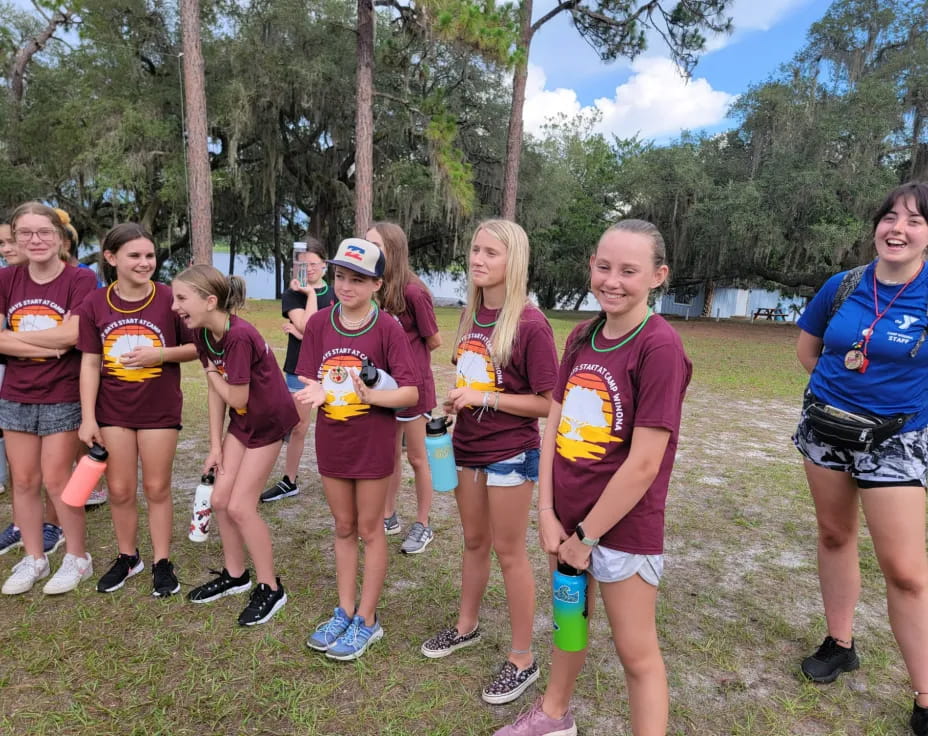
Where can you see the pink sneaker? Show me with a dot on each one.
(535, 722)
(97, 497)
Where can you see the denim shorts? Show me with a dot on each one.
(293, 382)
(902, 460)
(612, 566)
(39, 419)
(512, 472)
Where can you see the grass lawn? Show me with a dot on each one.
(739, 604)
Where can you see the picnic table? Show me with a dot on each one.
(777, 315)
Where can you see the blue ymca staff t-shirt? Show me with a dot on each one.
(894, 382)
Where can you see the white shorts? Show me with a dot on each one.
(612, 566)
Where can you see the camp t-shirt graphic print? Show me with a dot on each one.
(591, 416)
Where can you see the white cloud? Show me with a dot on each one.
(655, 102)
(753, 15)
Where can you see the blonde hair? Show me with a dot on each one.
(506, 330)
(397, 272)
(50, 213)
(69, 248)
(210, 281)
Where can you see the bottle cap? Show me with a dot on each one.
(565, 569)
(208, 478)
(98, 453)
(368, 373)
(437, 426)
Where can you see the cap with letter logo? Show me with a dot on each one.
(360, 255)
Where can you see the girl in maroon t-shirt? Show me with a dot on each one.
(39, 399)
(238, 366)
(354, 436)
(506, 367)
(608, 450)
(407, 298)
(132, 346)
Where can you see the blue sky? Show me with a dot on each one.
(647, 96)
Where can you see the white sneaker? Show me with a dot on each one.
(26, 573)
(73, 571)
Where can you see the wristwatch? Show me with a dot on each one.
(578, 530)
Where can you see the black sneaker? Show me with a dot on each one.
(164, 581)
(919, 720)
(221, 585)
(123, 568)
(264, 603)
(284, 488)
(829, 661)
(449, 640)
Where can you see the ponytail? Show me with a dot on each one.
(210, 281)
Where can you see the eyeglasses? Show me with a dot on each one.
(46, 235)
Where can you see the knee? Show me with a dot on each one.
(157, 492)
(238, 513)
(417, 458)
(121, 495)
(510, 553)
(641, 661)
(370, 530)
(477, 543)
(834, 538)
(219, 502)
(346, 528)
(906, 580)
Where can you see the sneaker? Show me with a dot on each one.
(355, 641)
(327, 632)
(52, 537)
(919, 720)
(391, 525)
(73, 571)
(284, 488)
(26, 573)
(510, 682)
(417, 539)
(264, 603)
(829, 661)
(447, 641)
(97, 497)
(535, 722)
(123, 568)
(221, 585)
(163, 580)
(10, 538)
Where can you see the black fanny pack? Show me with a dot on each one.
(852, 431)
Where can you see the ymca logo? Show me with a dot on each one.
(355, 251)
(906, 322)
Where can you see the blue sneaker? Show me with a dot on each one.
(356, 639)
(326, 633)
(10, 538)
(52, 537)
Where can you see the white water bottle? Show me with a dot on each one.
(202, 509)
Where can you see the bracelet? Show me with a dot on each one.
(546, 508)
(486, 399)
(496, 405)
(212, 370)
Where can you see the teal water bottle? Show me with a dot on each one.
(571, 617)
(441, 454)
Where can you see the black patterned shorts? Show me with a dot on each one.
(902, 459)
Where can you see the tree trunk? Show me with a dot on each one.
(30, 49)
(199, 187)
(277, 290)
(364, 122)
(514, 139)
(233, 243)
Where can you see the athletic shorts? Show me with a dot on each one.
(612, 566)
(902, 460)
(425, 416)
(39, 419)
(512, 472)
(293, 382)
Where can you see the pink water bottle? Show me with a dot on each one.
(85, 477)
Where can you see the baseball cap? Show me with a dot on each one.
(359, 255)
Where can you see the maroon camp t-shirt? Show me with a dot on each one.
(603, 397)
(419, 324)
(483, 437)
(354, 440)
(30, 306)
(245, 358)
(138, 398)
